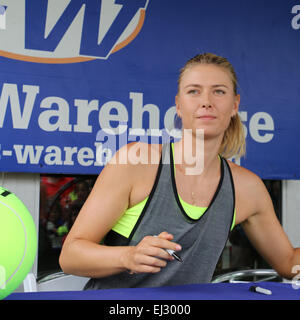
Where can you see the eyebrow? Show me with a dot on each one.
(199, 86)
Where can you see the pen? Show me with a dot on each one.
(260, 290)
(173, 254)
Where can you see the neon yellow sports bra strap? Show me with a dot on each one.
(130, 217)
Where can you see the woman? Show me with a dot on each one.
(140, 210)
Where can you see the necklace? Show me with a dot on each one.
(193, 197)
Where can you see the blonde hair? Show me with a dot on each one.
(233, 143)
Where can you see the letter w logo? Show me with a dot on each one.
(37, 14)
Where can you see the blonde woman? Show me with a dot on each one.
(138, 211)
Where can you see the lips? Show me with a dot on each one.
(206, 117)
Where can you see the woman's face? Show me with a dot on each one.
(206, 99)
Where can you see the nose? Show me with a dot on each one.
(205, 101)
(206, 105)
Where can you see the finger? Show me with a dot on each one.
(151, 265)
(151, 251)
(144, 269)
(152, 256)
(158, 252)
(147, 264)
(160, 241)
(166, 235)
(155, 262)
(166, 244)
(148, 269)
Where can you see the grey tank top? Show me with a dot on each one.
(202, 240)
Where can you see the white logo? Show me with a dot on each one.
(65, 31)
(2, 17)
(296, 19)
(296, 278)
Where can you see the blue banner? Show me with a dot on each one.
(80, 78)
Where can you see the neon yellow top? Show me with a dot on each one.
(127, 222)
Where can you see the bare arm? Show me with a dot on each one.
(264, 230)
(83, 255)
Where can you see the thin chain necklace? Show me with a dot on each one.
(195, 199)
(193, 195)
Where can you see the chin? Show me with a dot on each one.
(209, 133)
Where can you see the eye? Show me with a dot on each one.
(220, 92)
(193, 91)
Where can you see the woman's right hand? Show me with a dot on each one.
(149, 256)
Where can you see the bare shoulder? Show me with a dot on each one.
(250, 191)
(124, 181)
(131, 156)
(244, 178)
(136, 165)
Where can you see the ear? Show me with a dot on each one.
(236, 105)
(178, 111)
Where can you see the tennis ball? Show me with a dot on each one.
(62, 230)
(18, 242)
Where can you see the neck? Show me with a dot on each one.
(197, 154)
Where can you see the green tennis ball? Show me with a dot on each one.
(18, 242)
(62, 230)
